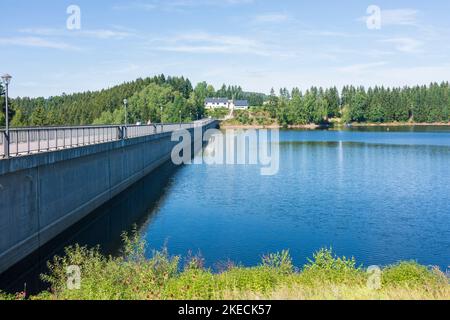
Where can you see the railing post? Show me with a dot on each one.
(28, 141)
(17, 143)
(6, 144)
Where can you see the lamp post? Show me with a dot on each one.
(162, 121)
(125, 103)
(6, 80)
(180, 118)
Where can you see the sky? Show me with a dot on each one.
(258, 44)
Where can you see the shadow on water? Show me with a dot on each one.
(102, 227)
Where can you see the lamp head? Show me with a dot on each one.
(6, 79)
(125, 101)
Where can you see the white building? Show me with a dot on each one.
(240, 104)
(219, 103)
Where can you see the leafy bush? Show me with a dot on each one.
(281, 262)
(328, 268)
(217, 113)
(326, 276)
(412, 274)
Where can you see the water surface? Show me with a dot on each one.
(378, 195)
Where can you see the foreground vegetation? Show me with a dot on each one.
(324, 277)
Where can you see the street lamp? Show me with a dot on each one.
(6, 80)
(180, 118)
(125, 103)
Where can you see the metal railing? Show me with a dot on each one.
(26, 141)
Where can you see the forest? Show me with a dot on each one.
(169, 99)
(420, 104)
(154, 99)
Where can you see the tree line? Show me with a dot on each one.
(425, 104)
(169, 99)
(153, 99)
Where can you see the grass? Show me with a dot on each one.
(217, 113)
(326, 276)
(251, 117)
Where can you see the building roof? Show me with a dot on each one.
(216, 100)
(241, 103)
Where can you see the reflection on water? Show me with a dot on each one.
(103, 227)
(422, 128)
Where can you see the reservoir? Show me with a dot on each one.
(379, 195)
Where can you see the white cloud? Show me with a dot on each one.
(37, 42)
(398, 76)
(399, 17)
(324, 33)
(396, 17)
(105, 34)
(271, 18)
(361, 68)
(202, 42)
(175, 5)
(405, 45)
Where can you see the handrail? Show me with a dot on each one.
(26, 141)
(90, 126)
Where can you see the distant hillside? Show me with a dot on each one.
(105, 105)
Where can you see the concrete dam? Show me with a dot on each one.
(51, 178)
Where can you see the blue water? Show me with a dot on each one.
(377, 196)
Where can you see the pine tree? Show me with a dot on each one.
(38, 117)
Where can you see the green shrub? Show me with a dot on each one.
(10, 297)
(260, 279)
(281, 262)
(132, 276)
(412, 274)
(328, 268)
(217, 113)
(192, 284)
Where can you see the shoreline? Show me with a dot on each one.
(273, 126)
(357, 125)
(402, 124)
